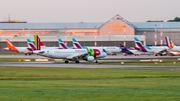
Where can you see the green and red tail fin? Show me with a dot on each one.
(39, 44)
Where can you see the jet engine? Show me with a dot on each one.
(89, 58)
(107, 52)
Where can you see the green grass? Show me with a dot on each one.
(18, 59)
(61, 84)
(144, 64)
(11, 53)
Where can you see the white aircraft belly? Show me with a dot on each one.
(22, 49)
(112, 49)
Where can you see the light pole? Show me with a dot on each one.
(65, 36)
(161, 35)
(95, 41)
(145, 38)
(155, 35)
(124, 36)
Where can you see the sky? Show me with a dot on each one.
(50, 11)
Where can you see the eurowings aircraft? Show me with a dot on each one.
(133, 52)
(68, 54)
(26, 50)
(62, 45)
(108, 50)
(156, 50)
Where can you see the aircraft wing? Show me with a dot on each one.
(160, 51)
(38, 52)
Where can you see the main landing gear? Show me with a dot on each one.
(67, 61)
(77, 61)
(96, 60)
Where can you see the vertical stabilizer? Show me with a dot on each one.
(31, 44)
(62, 45)
(140, 45)
(10, 46)
(169, 42)
(39, 44)
(124, 49)
(76, 44)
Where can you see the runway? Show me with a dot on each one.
(109, 57)
(83, 65)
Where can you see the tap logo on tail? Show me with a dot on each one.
(38, 42)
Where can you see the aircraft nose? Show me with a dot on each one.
(6, 48)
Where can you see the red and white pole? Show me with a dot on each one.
(124, 37)
(65, 39)
(161, 35)
(95, 41)
(155, 43)
(65, 36)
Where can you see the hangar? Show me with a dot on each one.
(111, 33)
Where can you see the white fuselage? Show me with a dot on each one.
(111, 49)
(175, 49)
(137, 52)
(66, 53)
(20, 49)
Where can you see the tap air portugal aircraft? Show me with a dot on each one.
(133, 52)
(26, 50)
(156, 50)
(108, 50)
(68, 54)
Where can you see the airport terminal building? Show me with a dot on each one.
(115, 31)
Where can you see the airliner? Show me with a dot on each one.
(68, 54)
(26, 50)
(156, 50)
(133, 52)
